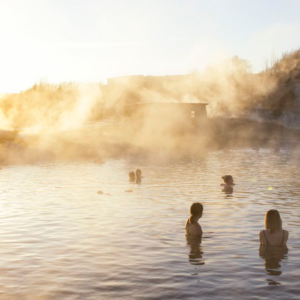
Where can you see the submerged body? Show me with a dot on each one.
(227, 188)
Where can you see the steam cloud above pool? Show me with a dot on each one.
(58, 118)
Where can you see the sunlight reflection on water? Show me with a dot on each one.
(60, 239)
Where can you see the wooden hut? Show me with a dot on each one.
(166, 117)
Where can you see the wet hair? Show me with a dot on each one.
(273, 221)
(131, 176)
(227, 178)
(195, 210)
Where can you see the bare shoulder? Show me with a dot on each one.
(262, 238)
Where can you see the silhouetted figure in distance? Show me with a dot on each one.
(228, 184)
(138, 175)
(131, 177)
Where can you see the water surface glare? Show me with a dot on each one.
(60, 239)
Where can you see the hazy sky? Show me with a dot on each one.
(91, 40)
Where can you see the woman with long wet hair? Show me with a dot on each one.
(274, 235)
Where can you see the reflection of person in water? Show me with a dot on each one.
(273, 256)
(228, 184)
(196, 253)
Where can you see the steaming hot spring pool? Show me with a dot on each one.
(60, 239)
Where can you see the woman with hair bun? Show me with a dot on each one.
(228, 184)
(192, 227)
(274, 235)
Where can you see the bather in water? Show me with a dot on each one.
(192, 227)
(273, 255)
(228, 184)
(274, 235)
(138, 175)
(131, 177)
(273, 247)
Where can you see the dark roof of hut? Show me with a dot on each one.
(165, 103)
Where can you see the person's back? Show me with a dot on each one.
(192, 227)
(278, 238)
(274, 235)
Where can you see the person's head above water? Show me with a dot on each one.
(228, 179)
(273, 220)
(138, 173)
(196, 211)
(131, 176)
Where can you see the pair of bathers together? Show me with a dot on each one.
(268, 244)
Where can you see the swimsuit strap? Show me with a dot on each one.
(282, 237)
(266, 238)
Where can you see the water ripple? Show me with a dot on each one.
(60, 239)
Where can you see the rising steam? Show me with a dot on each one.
(53, 112)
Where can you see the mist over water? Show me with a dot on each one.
(52, 122)
(86, 121)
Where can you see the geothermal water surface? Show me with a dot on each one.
(62, 240)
